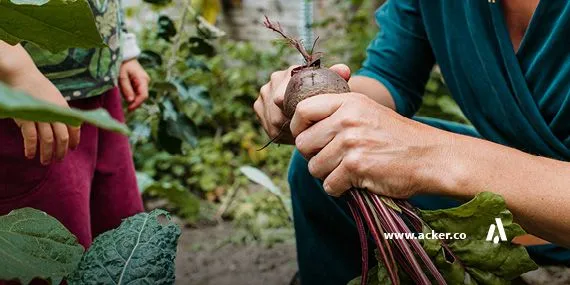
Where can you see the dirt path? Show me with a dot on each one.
(204, 259)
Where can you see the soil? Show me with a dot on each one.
(205, 257)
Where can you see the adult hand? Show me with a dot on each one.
(352, 141)
(269, 104)
(133, 82)
(54, 138)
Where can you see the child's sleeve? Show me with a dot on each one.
(129, 46)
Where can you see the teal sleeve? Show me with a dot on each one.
(400, 57)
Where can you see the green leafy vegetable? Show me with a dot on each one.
(479, 261)
(33, 244)
(51, 24)
(140, 251)
(473, 260)
(16, 104)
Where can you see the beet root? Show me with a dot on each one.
(308, 82)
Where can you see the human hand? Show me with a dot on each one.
(55, 139)
(269, 104)
(353, 142)
(133, 82)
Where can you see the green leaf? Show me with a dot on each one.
(150, 59)
(166, 28)
(175, 128)
(195, 93)
(16, 104)
(199, 46)
(481, 261)
(187, 204)
(140, 251)
(51, 24)
(261, 178)
(36, 245)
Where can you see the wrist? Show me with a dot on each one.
(446, 167)
(15, 63)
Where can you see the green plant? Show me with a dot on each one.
(41, 22)
(38, 246)
(468, 261)
(215, 84)
(51, 24)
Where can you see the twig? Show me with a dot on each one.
(310, 58)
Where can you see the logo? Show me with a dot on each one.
(502, 236)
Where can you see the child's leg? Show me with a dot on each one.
(114, 194)
(60, 189)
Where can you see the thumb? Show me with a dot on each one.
(342, 69)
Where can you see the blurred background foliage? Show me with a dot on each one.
(198, 127)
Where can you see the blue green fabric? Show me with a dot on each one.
(516, 99)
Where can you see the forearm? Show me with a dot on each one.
(536, 189)
(373, 89)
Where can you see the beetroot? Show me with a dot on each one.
(310, 79)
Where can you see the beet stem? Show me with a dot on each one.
(356, 194)
(363, 240)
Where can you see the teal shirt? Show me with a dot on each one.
(516, 99)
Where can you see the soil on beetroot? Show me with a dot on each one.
(206, 258)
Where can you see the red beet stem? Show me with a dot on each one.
(376, 236)
(363, 241)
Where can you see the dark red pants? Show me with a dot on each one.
(89, 192)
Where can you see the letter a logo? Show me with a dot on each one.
(491, 234)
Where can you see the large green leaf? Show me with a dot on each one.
(33, 244)
(140, 251)
(15, 104)
(480, 261)
(51, 24)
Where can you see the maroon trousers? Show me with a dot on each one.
(89, 192)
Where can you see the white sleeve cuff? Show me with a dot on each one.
(130, 48)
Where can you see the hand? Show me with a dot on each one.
(54, 138)
(269, 104)
(352, 141)
(133, 81)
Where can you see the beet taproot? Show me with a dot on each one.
(308, 82)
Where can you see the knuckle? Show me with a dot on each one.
(351, 122)
(264, 91)
(302, 109)
(313, 169)
(276, 75)
(63, 138)
(47, 140)
(257, 105)
(353, 162)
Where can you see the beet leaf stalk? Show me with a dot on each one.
(381, 215)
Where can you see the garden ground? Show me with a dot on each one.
(206, 257)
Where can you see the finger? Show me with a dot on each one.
(258, 108)
(142, 85)
(61, 136)
(74, 136)
(342, 69)
(141, 94)
(126, 88)
(46, 142)
(30, 135)
(327, 160)
(316, 137)
(314, 109)
(337, 182)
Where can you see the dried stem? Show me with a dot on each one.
(311, 58)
